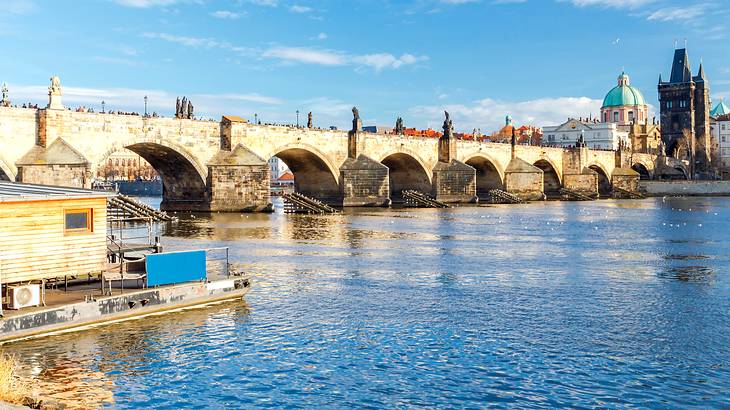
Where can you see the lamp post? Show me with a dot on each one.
(255, 119)
(102, 107)
(145, 106)
(297, 118)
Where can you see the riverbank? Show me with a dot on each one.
(685, 188)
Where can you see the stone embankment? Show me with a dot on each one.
(685, 188)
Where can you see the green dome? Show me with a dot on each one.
(623, 94)
(720, 109)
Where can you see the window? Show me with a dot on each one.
(78, 221)
(615, 116)
(723, 127)
(631, 116)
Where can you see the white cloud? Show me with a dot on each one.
(678, 13)
(322, 36)
(385, 60)
(267, 3)
(303, 55)
(300, 9)
(488, 114)
(618, 4)
(307, 55)
(185, 40)
(225, 14)
(145, 3)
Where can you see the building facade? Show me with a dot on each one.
(624, 104)
(525, 134)
(645, 138)
(277, 167)
(125, 165)
(684, 103)
(597, 135)
(721, 134)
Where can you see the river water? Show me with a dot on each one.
(608, 303)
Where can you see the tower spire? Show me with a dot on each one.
(701, 73)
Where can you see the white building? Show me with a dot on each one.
(597, 135)
(277, 167)
(721, 132)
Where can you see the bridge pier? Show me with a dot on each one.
(626, 179)
(58, 164)
(577, 176)
(454, 182)
(585, 183)
(238, 181)
(524, 180)
(364, 182)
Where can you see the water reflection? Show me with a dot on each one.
(601, 304)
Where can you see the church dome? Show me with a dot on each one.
(623, 94)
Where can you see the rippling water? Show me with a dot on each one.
(609, 303)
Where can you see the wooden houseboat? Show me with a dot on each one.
(62, 268)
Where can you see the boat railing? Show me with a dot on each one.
(218, 260)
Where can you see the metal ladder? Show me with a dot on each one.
(570, 195)
(126, 207)
(498, 196)
(620, 193)
(296, 203)
(418, 199)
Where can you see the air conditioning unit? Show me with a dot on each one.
(24, 296)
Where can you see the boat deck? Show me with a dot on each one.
(77, 292)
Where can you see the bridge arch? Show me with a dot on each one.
(314, 175)
(643, 170)
(183, 177)
(6, 173)
(489, 173)
(604, 181)
(551, 177)
(406, 171)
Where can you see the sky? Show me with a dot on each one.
(540, 61)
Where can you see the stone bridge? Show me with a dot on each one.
(222, 166)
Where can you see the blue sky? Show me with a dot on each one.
(539, 60)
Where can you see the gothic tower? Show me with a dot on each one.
(684, 103)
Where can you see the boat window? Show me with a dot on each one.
(78, 221)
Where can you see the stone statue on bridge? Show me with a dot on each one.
(177, 108)
(54, 94)
(309, 120)
(5, 101)
(448, 124)
(399, 126)
(183, 108)
(356, 121)
(190, 110)
(55, 87)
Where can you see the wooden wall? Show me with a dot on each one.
(33, 244)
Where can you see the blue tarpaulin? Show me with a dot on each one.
(175, 267)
